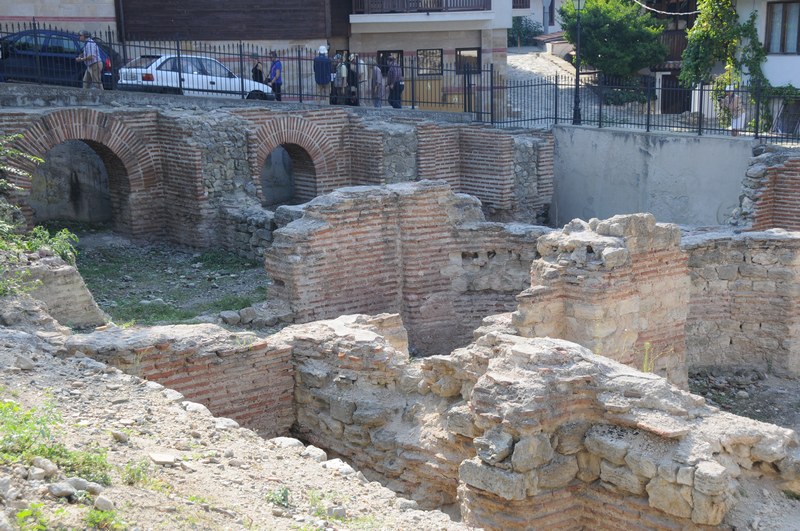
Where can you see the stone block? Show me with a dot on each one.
(604, 443)
(342, 409)
(669, 497)
(708, 510)
(503, 483)
(370, 415)
(570, 437)
(710, 478)
(460, 422)
(494, 446)
(531, 452)
(588, 466)
(559, 472)
(641, 464)
(685, 475)
(622, 477)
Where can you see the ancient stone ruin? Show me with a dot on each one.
(551, 410)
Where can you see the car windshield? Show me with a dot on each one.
(142, 62)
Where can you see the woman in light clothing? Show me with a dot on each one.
(377, 86)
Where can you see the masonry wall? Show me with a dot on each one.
(771, 190)
(239, 376)
(619, 287)
(743, 305)
(416, 249)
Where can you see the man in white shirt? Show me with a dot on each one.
(93, 61)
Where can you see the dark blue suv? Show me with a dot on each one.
(48, 56)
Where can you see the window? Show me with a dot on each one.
(29, 43)
(429, 62)
(783, 20)
(214, 68)
(62, 45)
(468, 59)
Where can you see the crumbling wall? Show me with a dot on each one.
(417, 249)
(619, 287)
(770, 190)
(535, 433)
(743, 305)
(239, 376)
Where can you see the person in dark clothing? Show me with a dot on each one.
(322, 74)
(275, 79)
(352, 80)
(395, 84)
(258, 70)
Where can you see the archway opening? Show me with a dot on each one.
(80, 182)
(288, 177)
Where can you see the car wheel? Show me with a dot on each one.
(256, 95)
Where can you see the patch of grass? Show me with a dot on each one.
(222, 260)
(25, 434)
(96, 519)
(231, 302)
(141, 473)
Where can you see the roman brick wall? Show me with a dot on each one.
(238, 376)
(743, 304)
(619, 287)
(180, 173)
(770, 190)
(417, 249)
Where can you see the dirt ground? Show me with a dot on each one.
(751, 393)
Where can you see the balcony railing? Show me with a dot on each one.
(369, 7)
(520, 4)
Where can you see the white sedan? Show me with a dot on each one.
(188, 74)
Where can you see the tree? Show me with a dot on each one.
(523, 31)
(617, 36)
(718, 37)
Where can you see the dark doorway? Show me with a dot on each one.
(674, 98)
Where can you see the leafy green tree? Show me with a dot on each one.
(617, 36)
(523, 31)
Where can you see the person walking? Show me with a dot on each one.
(733, 102)
(377, 86)
(322, 74)
(90, 56)
(395, 84)
(275, 79)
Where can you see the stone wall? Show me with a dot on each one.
(178, 168)
(771, 190)
(743, 305)
(61, 288)
(619, 287)
(235, 375)
(417, 249)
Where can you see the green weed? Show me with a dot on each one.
(25, 434)
(136, 472)
(792, 495)
(279, 497)
(31, 518)
(96, 519)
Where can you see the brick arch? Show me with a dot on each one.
(296, 133)
(130, 165)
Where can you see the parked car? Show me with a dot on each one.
(48, 56)
(192, 75)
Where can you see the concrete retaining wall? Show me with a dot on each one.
(682, 179)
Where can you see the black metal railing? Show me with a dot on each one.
(370, 7)
(520, 4)
(484, 92)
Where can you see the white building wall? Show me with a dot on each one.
(72, 15)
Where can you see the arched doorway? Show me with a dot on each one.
(71, 185)
(288, 177)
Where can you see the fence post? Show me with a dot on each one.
(491, 93)
(413, 84)
(178, 54)
(600, 106)
(758, 107)
(241, 69)
(555, 107)
(700, 112)
(300, 74)
(647, 97)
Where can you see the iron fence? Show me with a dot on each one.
(485, 92)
